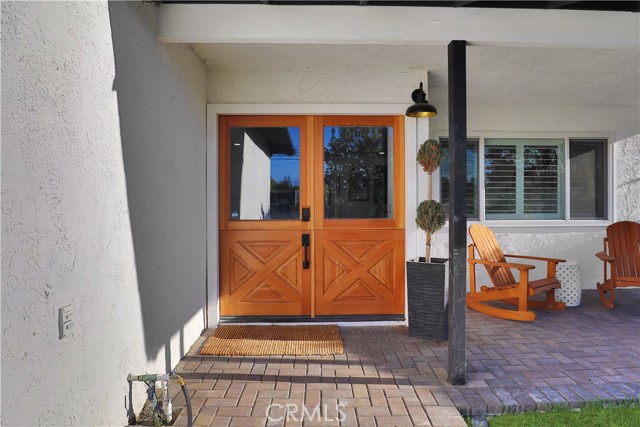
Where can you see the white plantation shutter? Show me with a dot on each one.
(541, 178)
(500, 180)
(524, 178)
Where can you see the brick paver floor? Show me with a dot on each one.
(386, 378)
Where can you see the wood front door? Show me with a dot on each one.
(311, 215)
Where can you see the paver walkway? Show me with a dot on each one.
(387, 378)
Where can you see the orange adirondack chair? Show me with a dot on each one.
(622, 253)
(505, 286)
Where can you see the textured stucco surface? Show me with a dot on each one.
(308, 86)
(103, 207)
(627, 171)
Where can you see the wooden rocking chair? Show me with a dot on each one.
(505, 286)
(622, 253)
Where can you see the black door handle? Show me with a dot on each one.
(306, 241)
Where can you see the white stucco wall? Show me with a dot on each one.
(627, 185)
(320, 86)
(103, 207)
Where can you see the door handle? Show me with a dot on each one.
(306, 241)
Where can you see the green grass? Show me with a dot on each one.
(594, 414)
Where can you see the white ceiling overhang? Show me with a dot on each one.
(237, 23)
(515, 55)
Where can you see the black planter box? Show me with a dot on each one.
(427, 286)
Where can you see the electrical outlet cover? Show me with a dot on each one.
(65, 321)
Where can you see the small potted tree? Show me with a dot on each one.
(427, 277)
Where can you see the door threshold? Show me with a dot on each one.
(318, 319)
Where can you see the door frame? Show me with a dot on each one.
(415, 130)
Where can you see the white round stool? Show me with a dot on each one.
(570, 292)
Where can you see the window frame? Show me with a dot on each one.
(608, 176)
(520, 180)
(481, 136)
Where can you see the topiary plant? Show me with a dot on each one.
(430, 215)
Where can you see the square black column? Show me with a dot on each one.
(457, 210)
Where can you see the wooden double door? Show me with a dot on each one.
(311, 215)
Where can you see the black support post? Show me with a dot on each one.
(457, 210)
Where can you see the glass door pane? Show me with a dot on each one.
(358, 172)
(264, 173)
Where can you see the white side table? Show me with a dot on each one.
(568, 273)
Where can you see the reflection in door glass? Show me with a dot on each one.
(358, 172)
(264, 173)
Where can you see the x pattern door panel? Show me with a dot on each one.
(359, 272)
(264, 273)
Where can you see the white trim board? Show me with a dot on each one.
(268, 24)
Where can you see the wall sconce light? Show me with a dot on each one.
(421, 107)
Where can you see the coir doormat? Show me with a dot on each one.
(254, 340)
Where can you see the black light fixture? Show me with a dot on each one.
(421, 107)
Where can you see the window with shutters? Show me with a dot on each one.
(534, 179)
(524, 178)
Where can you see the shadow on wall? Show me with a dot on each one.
(161, 92)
